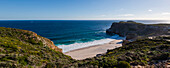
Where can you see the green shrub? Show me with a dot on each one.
(123, 64)
(23, 60)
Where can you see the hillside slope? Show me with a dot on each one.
(148, 53)
(22, 48)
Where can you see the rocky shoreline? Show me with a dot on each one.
(133, 30)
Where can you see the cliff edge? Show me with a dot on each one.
(133, 30)
(27, 36)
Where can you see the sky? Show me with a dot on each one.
(84, 9)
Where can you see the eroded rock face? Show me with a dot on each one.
(47, 42)
(133, 30)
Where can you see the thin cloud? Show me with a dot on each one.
(150, 10)
(165, 13)
(126, 15)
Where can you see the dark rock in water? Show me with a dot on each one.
(109, 32)
(133, 30)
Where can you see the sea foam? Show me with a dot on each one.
(74, 46)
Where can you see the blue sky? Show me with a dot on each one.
(84, 9)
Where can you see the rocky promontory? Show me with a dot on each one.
(133, 30)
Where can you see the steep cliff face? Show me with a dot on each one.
(133, 30)
(22, 48)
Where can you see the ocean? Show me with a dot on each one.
(71, 34)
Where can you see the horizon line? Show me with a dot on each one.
(77, 19)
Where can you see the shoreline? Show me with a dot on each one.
(92, 51)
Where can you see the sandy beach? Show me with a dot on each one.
(92, 51)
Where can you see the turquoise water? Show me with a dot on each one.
(69, 34)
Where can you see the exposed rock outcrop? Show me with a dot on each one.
(49, 43)
(133, 30)
(45, 41)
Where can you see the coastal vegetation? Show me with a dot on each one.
(22, 48)
(140, 52)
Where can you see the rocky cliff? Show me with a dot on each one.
(133, 30)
